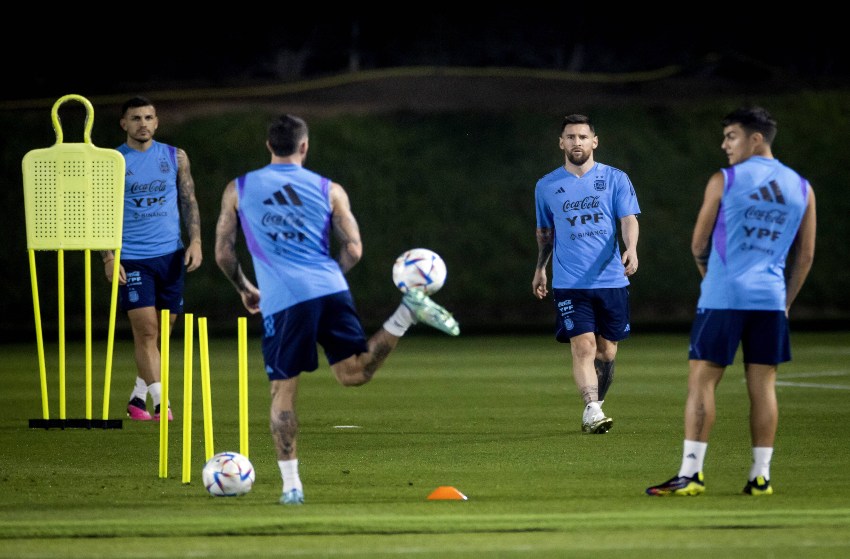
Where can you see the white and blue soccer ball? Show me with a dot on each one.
(419, 268)
(228, 474)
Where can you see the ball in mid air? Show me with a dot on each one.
(420, 268)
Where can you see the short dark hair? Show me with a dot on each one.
(577, 119)
(753, 119)
(134, 102)
(285, 133)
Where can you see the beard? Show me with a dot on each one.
(578, 159)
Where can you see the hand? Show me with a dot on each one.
(193, 257)
(109, 269)
(630, 262)
(538, 284)
(251, 299)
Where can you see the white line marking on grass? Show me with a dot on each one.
(816, 375)
(813, 385)
(780, 381)
(346, 427)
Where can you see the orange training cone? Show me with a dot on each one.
(446, 493)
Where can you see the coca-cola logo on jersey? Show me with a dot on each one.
(155, 186)
(767, 216)
(585, 203)
(285, 220)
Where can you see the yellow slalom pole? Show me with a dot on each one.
(205, 388)
(42, 367)
(60, 264)
(187, 398)
(87, 259)
(165, 329)
(110, 344)
(243, 385)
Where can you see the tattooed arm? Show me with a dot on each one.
(545, 241)
(189, 212)
(225, 250)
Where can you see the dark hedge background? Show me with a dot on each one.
(451, 165)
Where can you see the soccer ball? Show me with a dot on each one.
(419, 267)
(228, 474)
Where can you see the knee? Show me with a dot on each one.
(144, 333)
(583, 346)
(606, 351)
(607, 355)
(350, 376)
(149, 335)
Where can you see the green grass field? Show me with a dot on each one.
(496, 417)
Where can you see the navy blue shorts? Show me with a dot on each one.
(602, 311)
(763, 335)
(154, 282)
(291, 335)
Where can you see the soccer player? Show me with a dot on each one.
(159, 193)
(288, 215)
(579, 206)
(753, 214)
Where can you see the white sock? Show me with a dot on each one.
(155, 390)
(761, 462)
(140, 390)
(289, 473)
(590, 410)
(400, 321)
(693, 457)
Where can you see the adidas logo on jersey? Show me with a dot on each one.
(774, 194)
(284, 197)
